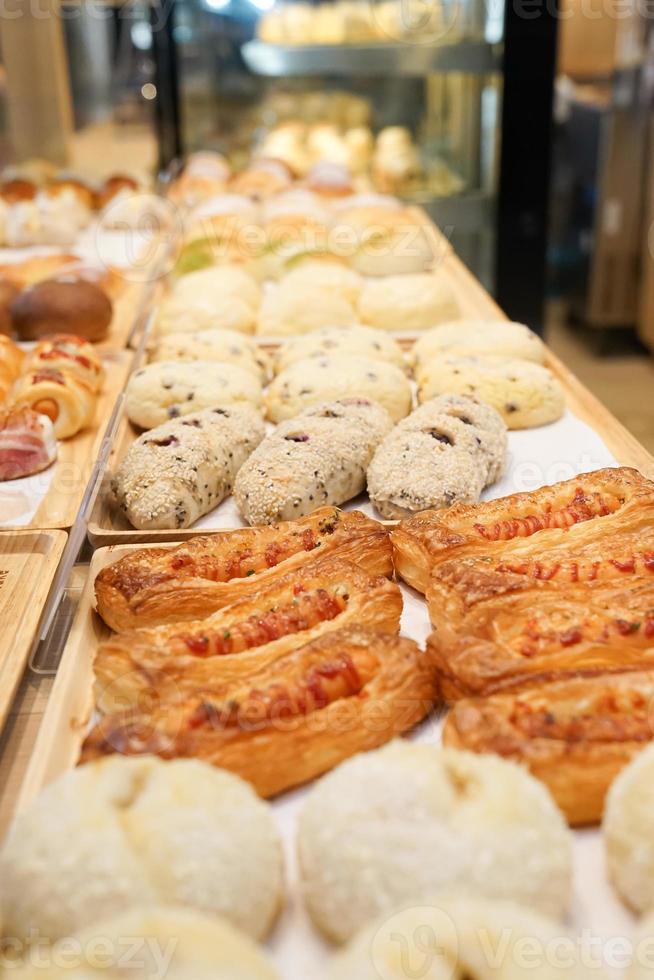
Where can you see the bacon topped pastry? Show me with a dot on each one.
(576, 510)
(175, 660)
(347, 691)
(27, 443)
(574, 735)
(69, 354)
(162, 585)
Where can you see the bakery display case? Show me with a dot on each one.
(412, 99)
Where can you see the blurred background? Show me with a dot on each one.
(524, 128)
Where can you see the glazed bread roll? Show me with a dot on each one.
(67, 400)
(131, 832)
(525, 394)
(627, 829)
(227, 346)
(320, 457)
(217, 282)
(180, 470)
(167, 585)
(432, 459)
(58, 306)
(336, 376)
(69, 354)
(362, 341)
(449, 938)
(192, 315)
(501, 338)
(192, 945)
(408, 303)
(167, 390)
(401, 824)
(301, 309)
(321, 273)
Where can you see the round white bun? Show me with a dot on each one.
(122, 833)
(408, 821)
(629, 831)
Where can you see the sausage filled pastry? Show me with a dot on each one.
(205, 655)
(297, 717)
(69, 354)
(164, 585)
(67, 400)
(318, 458)
(578, 510)
(574, 735)
(180, 470)
(511, 642)
(11, 362)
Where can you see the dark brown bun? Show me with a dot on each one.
(17, 189)
(58, 306)
(8, 292)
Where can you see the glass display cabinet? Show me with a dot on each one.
(443, 102)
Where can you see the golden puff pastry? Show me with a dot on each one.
(164, 585)
(208, 655)
(67, 400)
(574, 735)
(581, 509)
(295, 718)
(69, 354)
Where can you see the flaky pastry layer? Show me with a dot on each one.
(347, 691)
(574, 735)
(152, 586)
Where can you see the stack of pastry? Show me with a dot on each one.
(272, 652)
(542, 605)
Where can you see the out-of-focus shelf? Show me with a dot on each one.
(276, 60)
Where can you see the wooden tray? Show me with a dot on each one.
(28, 562)
(62, 495)
(71, 701)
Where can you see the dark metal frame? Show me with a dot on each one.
(530, 30)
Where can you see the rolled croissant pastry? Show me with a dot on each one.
(68, 401)
(345, 692)
(11, 361)
(69, 354)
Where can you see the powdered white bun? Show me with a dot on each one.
(629, 831)
(123, 833)
(525, 394)
(216, 282)
(300, 309)
(383, 241)
(495, 337)
(294, 202)
(405, 822)
(325, 274)
(233, 205)
(191, 316)
(453, 938)
(169, 389)
(643, 965)
(214, 345)
(332, 376)
(362, 341)
(171, 943)
(408, 303)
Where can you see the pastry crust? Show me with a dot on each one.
(347, 691)
(497, 626)
(575, 510)
(574, 735)
(163, 585)
(210, 655)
